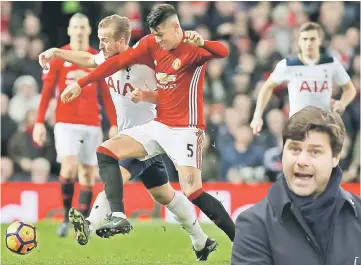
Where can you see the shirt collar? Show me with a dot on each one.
(281, 203)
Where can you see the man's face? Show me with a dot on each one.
(166, 34)
(309, 42)
(79, 29)
(307, 165)
(108, 44)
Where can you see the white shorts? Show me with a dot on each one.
(183, 145)
(77, 140)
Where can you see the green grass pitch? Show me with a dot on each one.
(153, 242)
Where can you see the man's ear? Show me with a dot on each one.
(336, 160)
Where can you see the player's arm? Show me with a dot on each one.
(214, 50)
(208, 49)
(348, 94)
(50, 79)
(81, 58)
(348, 89)
(138, 54)
(108, 103)
(144, 95)
(150, 96)
(277, 77)
(264, 97)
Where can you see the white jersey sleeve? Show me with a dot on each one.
(340, 75)
(99, 58)
(279, 75)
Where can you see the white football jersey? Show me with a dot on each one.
(309, 85)
(130, 114)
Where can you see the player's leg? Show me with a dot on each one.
(191, 183)
(93, 137)
(131, 143)
(184, 147)
(101, 208)
(67, 149)
(86, 176)
(155, 178)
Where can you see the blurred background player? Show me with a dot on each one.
(77, 131)
(114, 34)
(178, 58)
(309, 78)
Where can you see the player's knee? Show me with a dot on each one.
(163, 194)
(126, 176)
(69, 167)
(190, 180)
(86, 175)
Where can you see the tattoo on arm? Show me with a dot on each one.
(190, 179)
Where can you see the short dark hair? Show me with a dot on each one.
(319, 120)
(311, 26)
(159, 14)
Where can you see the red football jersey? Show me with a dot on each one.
(83, 110)
(179, 73)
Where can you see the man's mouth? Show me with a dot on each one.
(304, 176)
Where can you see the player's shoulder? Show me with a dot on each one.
(149, 38)
(293, 61)
(282, 63)
(296, 61)
(325, 59)
(147, 41)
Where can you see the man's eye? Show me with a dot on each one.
(316, 152)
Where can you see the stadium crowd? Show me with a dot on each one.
(258, 34)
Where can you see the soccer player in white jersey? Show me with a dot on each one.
(114, 34)
(179, 59)
(309, 78)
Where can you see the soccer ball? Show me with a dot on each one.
(21, 238)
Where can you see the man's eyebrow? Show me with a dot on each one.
(316, 145)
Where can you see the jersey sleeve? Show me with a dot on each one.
(278, 75)
(50, 78)
(108, 103)
(99, 58)
(211, 50)
(340, 75)
(138, 54)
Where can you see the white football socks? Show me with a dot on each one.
(99, 211)
(183, 212)
(180, 206)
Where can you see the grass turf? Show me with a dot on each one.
(153, 242)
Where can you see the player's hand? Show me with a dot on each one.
(46, 56)
(337, 106)
(136, 95)
(113, 131)
(256, 125)
(39, 134)
(70, 93)
(194, 38)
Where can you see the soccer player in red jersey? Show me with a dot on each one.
(78, 129)
(178, 59)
